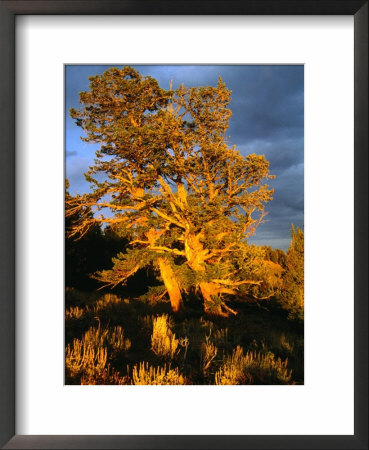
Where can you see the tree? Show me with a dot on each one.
(292, 294)
(184, 198)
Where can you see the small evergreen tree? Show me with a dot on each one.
(292, 294)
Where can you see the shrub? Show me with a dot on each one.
(105, 302)
(149, 375)
(109, 376)
(291, 297)
(147, 322)
(113, 338)
(74, 312)
(84, 358)
(287, 344)
(208, 353)
(163, 340)
(253, 368)
(220, 337)
(87, 358)
(117, 340)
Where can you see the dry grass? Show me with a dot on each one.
(84, 358)
(220, 337)
(105, 302)
(287, 343)
(111, 337)
(74, 312)
(163, 340)
(253, 368)
(208, 352)
(117, 340)
(109, 376)
(87, 357)
(188, 350)
(149, 375)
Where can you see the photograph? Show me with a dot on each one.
(184, 224)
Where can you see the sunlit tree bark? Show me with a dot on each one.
(171, 284)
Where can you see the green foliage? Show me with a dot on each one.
(275, 255)
(154, 294)
(291, 296)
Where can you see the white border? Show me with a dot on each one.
(325, 404)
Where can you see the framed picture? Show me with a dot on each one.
(290, 69)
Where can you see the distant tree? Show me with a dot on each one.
(86, 253)
(275, 255)
(80, 255)
(292, 293)
(166, 176)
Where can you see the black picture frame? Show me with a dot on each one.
(8, 11)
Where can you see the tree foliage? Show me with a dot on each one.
(292, 293)
(167, 178)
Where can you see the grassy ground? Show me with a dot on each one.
(115, 340)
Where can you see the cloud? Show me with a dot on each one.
(287, 207)
(281, 153)
(75, 168)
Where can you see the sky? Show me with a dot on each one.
(267, 118)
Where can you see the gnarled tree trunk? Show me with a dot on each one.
(196, 256)
(171, 284)
(208, 290)
(213, 304)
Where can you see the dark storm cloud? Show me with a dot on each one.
(286, 208)
(267, 118)
(268, 105)
(281, 152)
